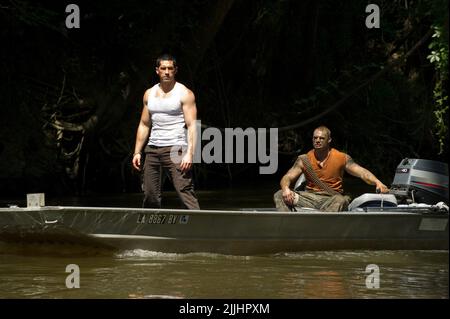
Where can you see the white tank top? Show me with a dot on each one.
(168, 126)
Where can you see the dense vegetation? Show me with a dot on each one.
(71, 98)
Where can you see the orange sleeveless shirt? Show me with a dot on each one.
(332, 171)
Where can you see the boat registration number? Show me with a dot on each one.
(162, 219)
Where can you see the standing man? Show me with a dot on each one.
(169, 108)
(324, 170)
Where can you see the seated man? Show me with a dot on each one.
(324, 169)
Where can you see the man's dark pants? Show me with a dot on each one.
(158, 159)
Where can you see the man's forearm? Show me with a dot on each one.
(285, 182)
(192, 138)
(368, 177)
(141, 138)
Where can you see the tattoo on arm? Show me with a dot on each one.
(293, 171)
(350, 161)
(360, 171)
(368, 176)
(297, 163)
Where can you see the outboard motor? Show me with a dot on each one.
(420, 181)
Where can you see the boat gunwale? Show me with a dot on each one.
(221, 212)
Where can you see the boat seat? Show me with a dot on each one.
(300, 184)
(372, 200)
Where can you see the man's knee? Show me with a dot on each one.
(341, 202)
(278, 196)
(279, 202)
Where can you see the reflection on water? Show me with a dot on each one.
(145, 274)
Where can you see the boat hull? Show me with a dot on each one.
(224, 232)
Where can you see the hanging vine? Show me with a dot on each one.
(439, 58)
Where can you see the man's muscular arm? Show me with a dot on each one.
(190, 117)
(356, 170)
(291, 176)
(142, 134)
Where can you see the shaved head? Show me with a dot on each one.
(325, 130)
(321, 138)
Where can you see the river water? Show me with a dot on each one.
(40, 272)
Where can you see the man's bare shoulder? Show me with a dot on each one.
(184, 88)
(149, 90)
(298, 162)
(186, 93)
(349, 160)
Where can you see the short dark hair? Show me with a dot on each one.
(166, 57)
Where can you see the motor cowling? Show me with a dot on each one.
(421, 181)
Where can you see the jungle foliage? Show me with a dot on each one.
(71, 98)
